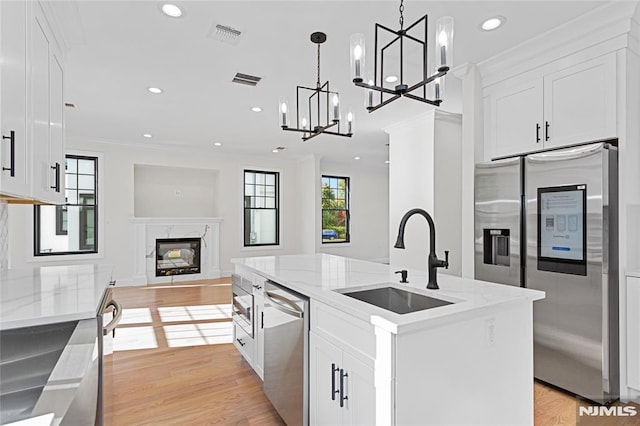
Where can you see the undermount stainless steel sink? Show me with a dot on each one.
(396, 299)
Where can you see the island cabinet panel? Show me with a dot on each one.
(478, 370)
(342, 390)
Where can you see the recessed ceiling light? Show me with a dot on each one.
(256, 109)
(391, 79)
(171, 10)
(155, 90)
(356, 158)
(147, 135)
(217, 144)
(493, 23)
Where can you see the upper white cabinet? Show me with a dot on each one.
(32, 105)
(47, 104)
(573, 105)
(15, 170)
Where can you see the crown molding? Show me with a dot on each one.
(607, 25)
(64, 20)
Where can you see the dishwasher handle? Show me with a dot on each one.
(283, 304)
(117, 316)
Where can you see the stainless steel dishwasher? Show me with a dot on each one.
(286, 353)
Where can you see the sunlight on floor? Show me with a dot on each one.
(132, 338)
(198, 334)
(199, 312)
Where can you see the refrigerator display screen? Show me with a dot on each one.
(562, 229)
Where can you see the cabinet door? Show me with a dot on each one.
(580, 103)
(514, 119)
(324, 399)
(258, 302)
(360, 392)
(56, 130)
(14, 164)
(40, 119)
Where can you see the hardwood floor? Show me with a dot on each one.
(174, 364)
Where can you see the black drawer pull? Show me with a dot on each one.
(546, 130)
(240, 341)
(334, 391)
(343, 397)
(537, 133)
(57, 170)
(12, 142)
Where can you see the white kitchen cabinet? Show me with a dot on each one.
(514, 118)
(633, 331)
(580, 103)
(47, 104)
(14, 164)
(342, 390)
(258, 331)
(573, 105)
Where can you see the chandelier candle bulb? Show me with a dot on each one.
(444, 43)
(357, 56)
(283, 108)
(350, 122)
(336, 108)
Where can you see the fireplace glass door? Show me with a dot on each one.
(177, 256)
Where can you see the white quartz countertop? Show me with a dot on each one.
(51, 294)
(318, 275)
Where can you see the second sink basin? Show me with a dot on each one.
(396, 300)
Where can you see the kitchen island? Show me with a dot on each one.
(51, 343)
(469, 362)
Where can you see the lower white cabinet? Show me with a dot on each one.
(243, 342)
(342, 390)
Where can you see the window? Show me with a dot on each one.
(261, 216)
(71, 228)
(335, 209)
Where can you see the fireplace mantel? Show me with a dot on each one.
(148, 229)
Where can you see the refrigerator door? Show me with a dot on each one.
(498, 196)
(571, 209)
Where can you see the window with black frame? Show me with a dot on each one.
(261, 208)
(71, 228)
(335, 210)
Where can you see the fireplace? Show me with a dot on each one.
(177, 256)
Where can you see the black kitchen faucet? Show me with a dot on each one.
(434, 263)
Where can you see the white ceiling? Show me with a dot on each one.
(116, 49)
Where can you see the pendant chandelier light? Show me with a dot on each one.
(401, 39)
(322, 107)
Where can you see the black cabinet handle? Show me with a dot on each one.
(334, 391)
(57, 169)
(546, 130)
(262, 319)
(537, 133)
(12, 142)
(343, 397)
(240, 341)
(257, 287)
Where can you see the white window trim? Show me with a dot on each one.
(71, 258)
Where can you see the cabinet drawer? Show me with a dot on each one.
(243, 342)
(352, 332)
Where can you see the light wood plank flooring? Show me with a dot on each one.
(174, 364)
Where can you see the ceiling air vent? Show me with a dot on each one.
(70, 105)
(225, 34)
(249, 80)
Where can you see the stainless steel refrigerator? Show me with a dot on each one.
(549, 221)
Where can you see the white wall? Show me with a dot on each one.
(299, 197)
(369, 211)
(161, 191)
(424, 172)
(4, 236)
